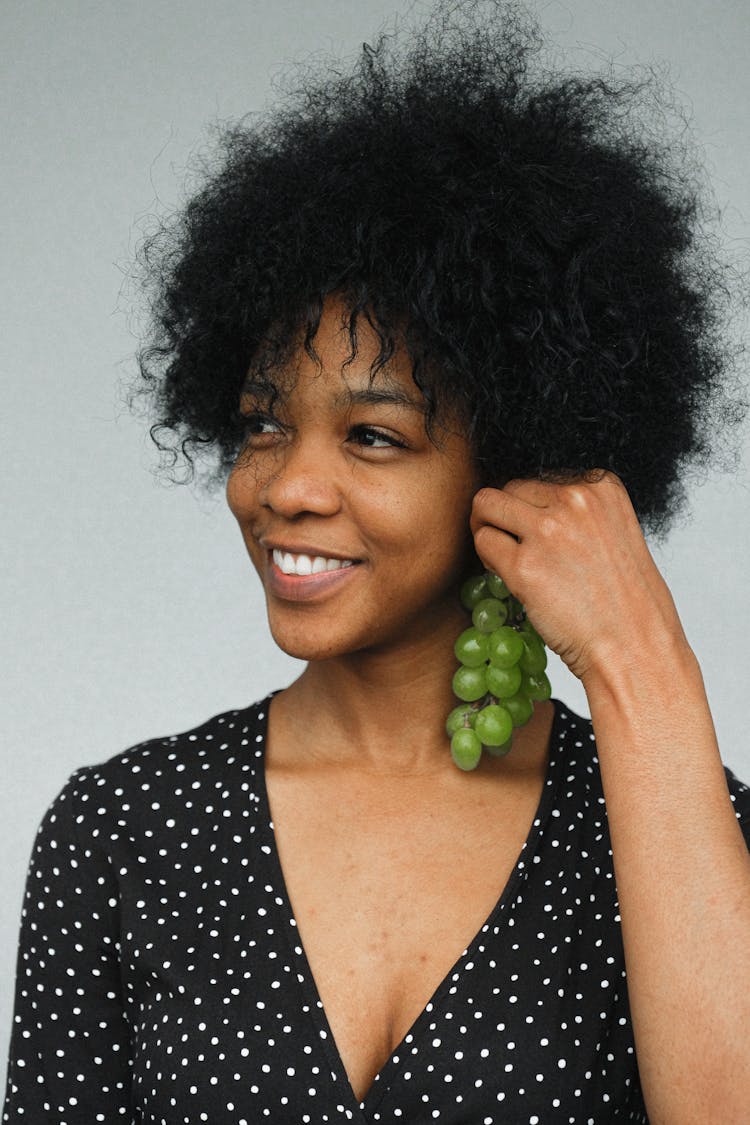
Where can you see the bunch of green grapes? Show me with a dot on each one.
(501, 674)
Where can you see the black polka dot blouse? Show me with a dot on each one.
(161, 979)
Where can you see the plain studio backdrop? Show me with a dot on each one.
(130, 609)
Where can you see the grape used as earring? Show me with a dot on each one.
(501, 673)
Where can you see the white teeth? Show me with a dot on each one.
(305, 564)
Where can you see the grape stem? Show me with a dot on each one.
(478, 704)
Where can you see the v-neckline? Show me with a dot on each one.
(379, 1084)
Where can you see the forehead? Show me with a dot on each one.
(348, 364)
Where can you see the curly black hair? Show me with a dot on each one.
(541, 252)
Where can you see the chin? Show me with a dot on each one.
(302, 642)
(303, 651)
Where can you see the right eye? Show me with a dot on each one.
(257, 426)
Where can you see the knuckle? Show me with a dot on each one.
(483, 538)
(596, 476)
(523, 575)
(578, 497)
(513, 484)
(549, 527)
(482, 497)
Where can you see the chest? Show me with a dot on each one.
(389, 886)
(227, 1022)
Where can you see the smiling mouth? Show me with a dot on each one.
(303, 565)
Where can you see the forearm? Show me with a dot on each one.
(683, 878)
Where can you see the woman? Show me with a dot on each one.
(441, 315)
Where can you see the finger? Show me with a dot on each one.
(496, 548)
(538, 493)
(505, 509)
(544, 493)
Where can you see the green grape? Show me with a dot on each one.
(506, 647)
(503, 682)
(459, 717)
(534, 656)
(520, 708)
(471, 647)
(470, 683)
(493, 725)
(515, 609)
(527, 629)
(489, 614)
(466, 749)
(473, 590)
(500, 751)
(535, 685)
(502, 672)
(496, 586)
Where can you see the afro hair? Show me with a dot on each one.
(542, 253)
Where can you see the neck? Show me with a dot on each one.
(377, 710)
(383, 713)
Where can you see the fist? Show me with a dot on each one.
(575, 555)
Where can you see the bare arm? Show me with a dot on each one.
(683, 879)
(578, 561)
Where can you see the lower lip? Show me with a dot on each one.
(307, 587)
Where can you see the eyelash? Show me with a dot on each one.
(249, 421)
(379, 434)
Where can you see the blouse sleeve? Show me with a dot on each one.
(740, 794)
(69, 1060)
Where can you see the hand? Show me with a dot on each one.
(575, 555)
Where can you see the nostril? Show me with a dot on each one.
(293, 494)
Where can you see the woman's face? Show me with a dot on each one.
(342, 479)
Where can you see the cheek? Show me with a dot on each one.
(452, 526)
(242, 491)
(437, 519)
(232, 493)
(453, 501)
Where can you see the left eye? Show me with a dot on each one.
(374, 439)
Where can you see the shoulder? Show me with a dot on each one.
(226, 746)
(739, 793)
(574, 784)
(574, 743)
(572, 750)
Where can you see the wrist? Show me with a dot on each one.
(656, 665)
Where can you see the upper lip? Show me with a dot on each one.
(306, 549)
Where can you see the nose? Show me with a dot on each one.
(302, 479)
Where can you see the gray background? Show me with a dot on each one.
(129, 608)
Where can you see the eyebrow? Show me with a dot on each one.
(256, 389)
(375, 396)
(364, 396)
